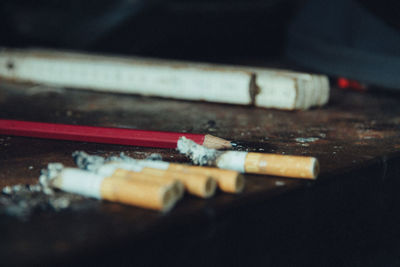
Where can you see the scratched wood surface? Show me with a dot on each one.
(356, 138)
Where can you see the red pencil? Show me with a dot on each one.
(106, 135)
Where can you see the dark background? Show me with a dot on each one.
(229, 31)
(199, 30)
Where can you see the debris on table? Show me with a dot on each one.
(22, 201)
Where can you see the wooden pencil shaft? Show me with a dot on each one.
(100, 134)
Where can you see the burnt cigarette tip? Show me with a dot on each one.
(315, 168)
(210, 188)
(240, 183)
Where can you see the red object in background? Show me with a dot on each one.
(344, 83)
(95, 134)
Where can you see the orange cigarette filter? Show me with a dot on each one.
(196, 184)
(138, 193)
(153, 178)
(282, 165)
(270, 164)
(228, 180)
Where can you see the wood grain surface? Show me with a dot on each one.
(276, 221)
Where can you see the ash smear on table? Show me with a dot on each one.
(4, 141)
(93, 163)
(153, 156)
(22, 201)
(43, 89)
(211, 126)
(253, 146)
(124, 158)
(197, 153)
(306, 140)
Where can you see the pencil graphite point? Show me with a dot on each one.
(234, 144)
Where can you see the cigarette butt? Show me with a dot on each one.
(138, 193)
(282, 165)
(228, 180)
(271, 164)
(119, 189)
(177, 186)
(196, 184)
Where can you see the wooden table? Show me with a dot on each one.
(348, 216)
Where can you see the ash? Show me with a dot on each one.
(153, 156)
(122, 158)
(87, 162)
(22, 201)
(199, 154)
(306, 140)
(92, 163)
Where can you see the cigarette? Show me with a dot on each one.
(270, 164)
(195, 183)
(250, 162)
(113, 188)
(229, 181)
(177, 186)
(129, 171)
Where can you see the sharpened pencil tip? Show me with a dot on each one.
(214, 142)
